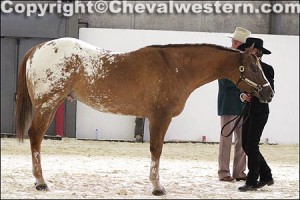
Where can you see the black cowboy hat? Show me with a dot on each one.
(258, 43)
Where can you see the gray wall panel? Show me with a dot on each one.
(8, 83)
(107, 20)
(187, 22)
(16, 25)
(70, 115)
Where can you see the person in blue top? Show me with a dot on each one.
(229, 106)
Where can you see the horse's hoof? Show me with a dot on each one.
(159, 192)
(42, 187)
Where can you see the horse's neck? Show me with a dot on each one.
(205, 64)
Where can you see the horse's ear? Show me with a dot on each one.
(249, 49)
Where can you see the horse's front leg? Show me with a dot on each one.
(158, 128)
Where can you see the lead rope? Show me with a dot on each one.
(238, 117)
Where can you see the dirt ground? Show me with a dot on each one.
(77, 169)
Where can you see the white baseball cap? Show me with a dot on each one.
(240, 34)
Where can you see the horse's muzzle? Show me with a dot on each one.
(266, 95)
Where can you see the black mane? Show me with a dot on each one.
(194, 45)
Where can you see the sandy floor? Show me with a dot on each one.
(98, 169)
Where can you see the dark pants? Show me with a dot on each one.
(251, 133)
(139, 129)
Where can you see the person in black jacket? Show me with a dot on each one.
(255, 120)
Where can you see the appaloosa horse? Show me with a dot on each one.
(153, 82)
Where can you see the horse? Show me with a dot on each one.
(152, 82)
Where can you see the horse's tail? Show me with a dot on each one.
(24, 108)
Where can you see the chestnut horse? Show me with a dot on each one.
(153, 82)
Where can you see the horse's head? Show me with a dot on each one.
(252, 78)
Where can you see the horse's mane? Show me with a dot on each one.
(194, 45)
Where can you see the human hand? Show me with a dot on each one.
(246, 97)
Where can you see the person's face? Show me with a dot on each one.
(258, 52)
(235, 44)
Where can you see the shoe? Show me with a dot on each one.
(227, 178)
(139, 138)
(263, 183)
(247, 187)
(241, 179)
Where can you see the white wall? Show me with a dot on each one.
(199, 118)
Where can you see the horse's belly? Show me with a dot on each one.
(108, 104)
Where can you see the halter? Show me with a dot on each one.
(257, 88)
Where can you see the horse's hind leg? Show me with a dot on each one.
(40, 124)
(158, 128)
